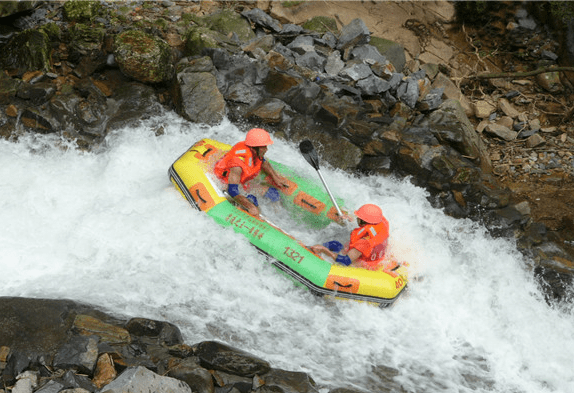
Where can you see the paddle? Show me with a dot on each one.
(308, 151)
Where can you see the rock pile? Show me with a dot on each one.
(51, 346)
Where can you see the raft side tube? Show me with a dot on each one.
(188, 175)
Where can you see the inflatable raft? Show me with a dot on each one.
(192, 175)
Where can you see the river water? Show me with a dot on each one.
(108, 228)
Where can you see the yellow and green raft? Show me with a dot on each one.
(192, 175)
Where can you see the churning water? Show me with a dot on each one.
(108, 228)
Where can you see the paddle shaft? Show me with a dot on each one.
(330, 195)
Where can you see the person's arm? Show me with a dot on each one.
(234, 179)
(277, 178)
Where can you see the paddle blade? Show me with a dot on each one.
(308, 151)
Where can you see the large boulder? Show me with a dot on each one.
(198, 99)
(27, 51)
(144, 57)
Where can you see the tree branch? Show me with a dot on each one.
(520, 74)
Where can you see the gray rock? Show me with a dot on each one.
(373, 85)
(260, 18)
(432, 100)
(288, 382)
(302, 45)
(330, 39)
(395, 80)
(368, 53)
(201, 101)
(285, 52)
(244, 93)
(290, 28)
(408, 92)
(311, 60)
(354, 34)
(357, 72)
(51, 387)
(80, 353)
(334, 64)
(141, 380)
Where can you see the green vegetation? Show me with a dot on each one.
(76, 10)
(322, 24)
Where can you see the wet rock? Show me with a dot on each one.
(26, 51)
(79, 353)
(218, 356)
(134, 102)
(189, 371)
(288, 381)
(167, 333)
(268, 112)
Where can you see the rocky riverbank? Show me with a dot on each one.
(392, 98)
(51, 346)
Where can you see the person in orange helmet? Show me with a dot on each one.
(368, 243)
(243, 163)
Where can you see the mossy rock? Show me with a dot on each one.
(27, 51)
(52, 30)
(226, 22)
(199, 38)
(8, 8)
(8, 88)
(79, 10)
(143, 57)
(393, 51)
(322, 24)
(85, 39)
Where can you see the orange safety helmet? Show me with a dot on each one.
(257, 137)
(370, 213)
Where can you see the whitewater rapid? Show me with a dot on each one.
(108, 228)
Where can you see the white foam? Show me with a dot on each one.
(109, 228)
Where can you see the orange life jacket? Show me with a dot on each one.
(377, 236)
(241, 156)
